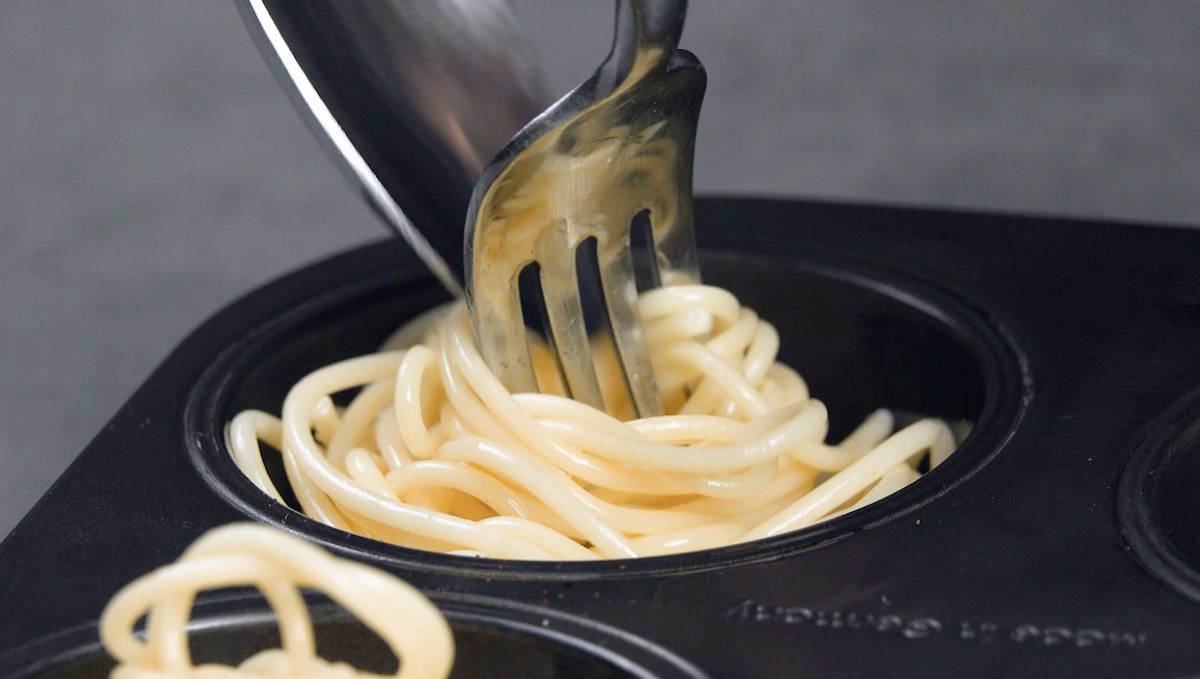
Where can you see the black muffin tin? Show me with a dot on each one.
(1061, 540)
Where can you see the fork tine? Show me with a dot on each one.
(503, 342)
(620, 296)
(560, 290)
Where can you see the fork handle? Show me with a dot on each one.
(647, 33)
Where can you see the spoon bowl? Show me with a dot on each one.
(412, 98)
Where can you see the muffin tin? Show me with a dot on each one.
(1060, 540)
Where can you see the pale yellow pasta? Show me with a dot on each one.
(434, 453)
(278, 564)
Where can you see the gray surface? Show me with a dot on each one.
(151, 170)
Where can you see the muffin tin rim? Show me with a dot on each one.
(640, 657)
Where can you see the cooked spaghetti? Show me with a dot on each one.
(433, 453)
(277, 564)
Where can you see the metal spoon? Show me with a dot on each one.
(414, 98)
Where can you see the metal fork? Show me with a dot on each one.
(618, 145)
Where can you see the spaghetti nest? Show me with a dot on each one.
(277, 564)
(435, 454)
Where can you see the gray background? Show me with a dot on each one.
(151, 170)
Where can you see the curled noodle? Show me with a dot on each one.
(277, 564)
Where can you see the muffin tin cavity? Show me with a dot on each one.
(862, 339)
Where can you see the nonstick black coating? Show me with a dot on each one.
(1065, 341)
